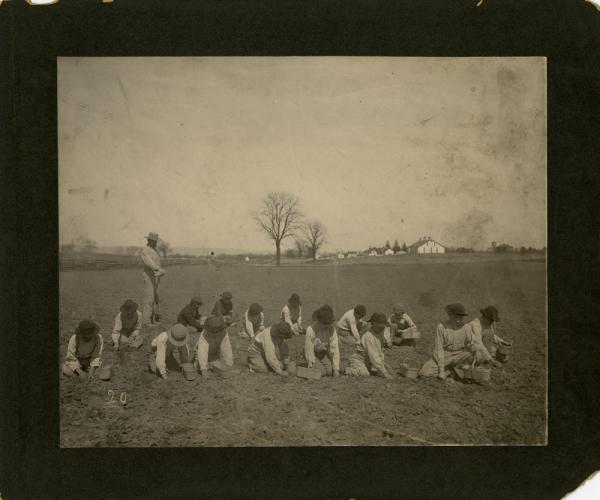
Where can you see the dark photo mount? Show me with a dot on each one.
(33, 466)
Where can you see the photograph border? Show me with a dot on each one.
(568, 35)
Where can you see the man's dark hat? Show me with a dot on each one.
(281, 329)
(324, 315)
(196, 299)
(87, 326)
(378, 318)
(255, 309)
(360, 310)
(129, 306)
(214, 324)
(456, 309)
(227, 295)
(294, 299)
(490, 313)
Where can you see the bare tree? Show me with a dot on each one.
(280, 217)
(300, 247)
(314, 232)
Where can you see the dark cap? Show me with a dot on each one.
(227, 295)
(129, 306)
(87, 326)
(255, 309)
(196, 300)
(294, 299)
(360, 310)
(214, 324)
(281, 329)
(324, 315)
(490, 313)
(456, 310)
(378, 318)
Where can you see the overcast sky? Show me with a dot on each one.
(377, 148)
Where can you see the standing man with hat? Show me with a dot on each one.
(163, 347)
(152, 274)
(453, 344)
(369, 357)
(213, 350)
(485, 340)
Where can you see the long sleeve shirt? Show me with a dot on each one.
(164, 349)
(119, 326)
(347, 323)
(151, 260)
(254, 325)
(291, 318)
(220, 349)
(401, 322)
(190, 316)
(263, 345)
(91, 351)
(370, 350)
(478, 344)
(222, 309)
(329, 342)
(449, 339)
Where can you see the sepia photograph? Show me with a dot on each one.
(302, 251)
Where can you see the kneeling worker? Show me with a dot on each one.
(269, 349)
(453, 344)
(213, 349)
(190, 315)
(350, 326)
(369, 355)
(321, 346)
(163, 347)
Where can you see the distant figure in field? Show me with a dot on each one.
(152, 274)
(190, 315)
(453, 344)
(223, 308)
(128, 322)
(213, 350)
(269, 349)
(321, 346)
(399, 323)
(350, 326)
(292, 314)
(84, 351)
(254, 321)
(163, 347)
(485, 340)
(369, 358)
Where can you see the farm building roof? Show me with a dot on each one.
(422, 241)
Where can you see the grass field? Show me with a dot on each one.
(266, 410)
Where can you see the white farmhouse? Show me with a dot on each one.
(427, 245)
(373, 253)
(247, 259)
(389, 251)
(340, 256)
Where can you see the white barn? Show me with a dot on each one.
(427, 245)
(389, 251)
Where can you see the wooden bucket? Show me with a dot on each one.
(408, 371)
(189, 371)
(410, 333)
(502, 354)
(105, 372)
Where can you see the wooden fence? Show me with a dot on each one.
(91, 264)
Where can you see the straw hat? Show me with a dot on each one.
(152, 236)
(178, 335)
